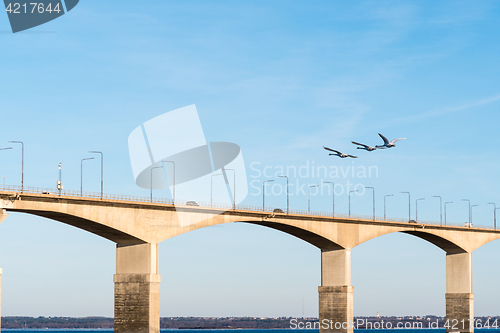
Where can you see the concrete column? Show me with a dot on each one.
(459, 296)
(137, 289)
(336, 292)
(3, 215)
(0, 299)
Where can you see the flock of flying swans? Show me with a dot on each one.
(387, 144)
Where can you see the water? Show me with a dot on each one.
(278, 330)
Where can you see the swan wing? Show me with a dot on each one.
(360, 144)
(336, 151)
(384, 138)
(395, 140)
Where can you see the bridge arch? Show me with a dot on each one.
(308, 236)
(443, 243)
(91, 226)
(447, 245)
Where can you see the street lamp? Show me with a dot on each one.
(309, 198)
(385, 196)
(81, 174)
(449, 202)
(469, 210)
(409, 206)
(495, 210)
(102, 169)
(494, 214)
(333, 197)
(440, 208)
(173, 184)
(151, 180)
(287, 196)
(22, 163)
(373, 196)
(416, 208)
(264, 193)
(350, 201)
(234, 187)
(59, 182)
(470, 225)
(212, 188)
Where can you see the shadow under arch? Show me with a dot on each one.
(84, 224)
(305, 235)
(444, 244)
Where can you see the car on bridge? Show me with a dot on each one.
(278, 210)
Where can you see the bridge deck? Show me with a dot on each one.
(243, 210)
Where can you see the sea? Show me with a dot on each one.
(422, 330)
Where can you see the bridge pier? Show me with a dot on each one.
(0, 298)
(459, 296)
(137, 289)
(336, 292)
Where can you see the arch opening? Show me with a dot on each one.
(404, 276)
(249, 268)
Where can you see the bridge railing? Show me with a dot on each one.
(167, 201)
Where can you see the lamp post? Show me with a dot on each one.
(212, 187)
(333, 197)
(440, 208)
(470, 225)
(102, 169)
(81, 173)
(409, 206)
(449, 202)
(22, 163)
(385, 196)
(59, 182)
(234, 187)
(264, 193)
(173, 183)
(350, 201)
(416, 208)
(469, 210)
(309, 198)
(287, 196)
(151, 181)
(494, 214)
(373, 196)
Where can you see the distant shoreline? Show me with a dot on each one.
(202, 323)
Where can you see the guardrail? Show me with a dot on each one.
(166, 201)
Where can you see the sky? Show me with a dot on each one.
(281, 79)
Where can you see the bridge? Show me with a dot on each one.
(138, 224)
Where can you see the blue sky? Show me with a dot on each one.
(281, 79)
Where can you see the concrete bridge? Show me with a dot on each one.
(138, 227)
